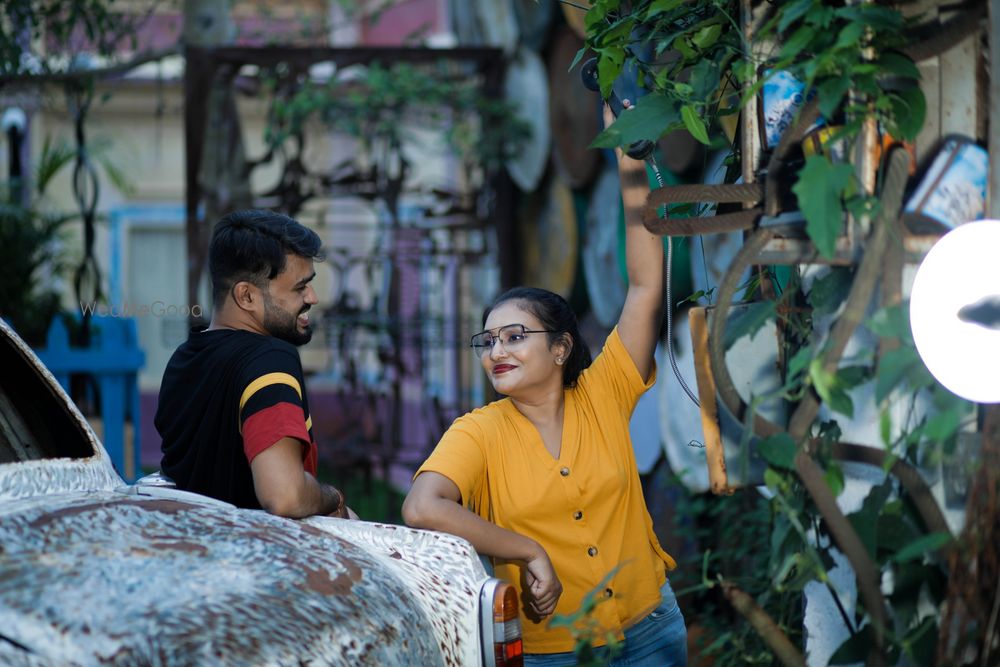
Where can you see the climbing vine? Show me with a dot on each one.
(693, 60)
(856, 66)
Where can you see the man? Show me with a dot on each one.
(233, 412)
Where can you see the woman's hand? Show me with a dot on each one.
(543, 586)
(632, 172)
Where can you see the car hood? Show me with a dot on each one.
(105, 577)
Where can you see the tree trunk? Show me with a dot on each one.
(217, 176)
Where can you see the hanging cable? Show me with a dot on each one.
(651, 161)
(86, 191)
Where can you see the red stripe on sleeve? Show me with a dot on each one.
(281, 420)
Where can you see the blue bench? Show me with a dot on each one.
(113, 360)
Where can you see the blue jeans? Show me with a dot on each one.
(659, 640)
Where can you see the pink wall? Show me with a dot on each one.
(402, 20)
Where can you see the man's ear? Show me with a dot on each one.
(246, 295)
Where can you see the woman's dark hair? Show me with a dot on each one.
(251, 245)
(555, 315)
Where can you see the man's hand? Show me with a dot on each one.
(335, 503)
(544, 587)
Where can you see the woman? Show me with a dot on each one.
(544, 481)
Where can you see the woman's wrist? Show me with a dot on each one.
(533, 551)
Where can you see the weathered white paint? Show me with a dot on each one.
(109, 578)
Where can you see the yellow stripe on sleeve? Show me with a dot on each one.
(267, 381)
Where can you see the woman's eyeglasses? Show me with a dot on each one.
(511, 336)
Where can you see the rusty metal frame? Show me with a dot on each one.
(203, 65)
(786, 249)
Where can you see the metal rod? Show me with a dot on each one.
(993, 191)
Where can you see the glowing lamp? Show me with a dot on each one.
(955, 311)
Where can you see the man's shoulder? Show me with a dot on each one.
(271, 348)
(266, 355)
(251, 344)
(230, 348)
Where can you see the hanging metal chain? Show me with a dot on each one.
(86, 190)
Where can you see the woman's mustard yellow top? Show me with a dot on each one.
(586, 507)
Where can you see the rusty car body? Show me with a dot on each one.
(95, 571)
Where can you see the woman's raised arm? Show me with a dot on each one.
(639, 324)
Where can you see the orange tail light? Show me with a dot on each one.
(507, 645)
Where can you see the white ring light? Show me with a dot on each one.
(955, 311)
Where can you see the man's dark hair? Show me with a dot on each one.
(251, 246)
(555, 316)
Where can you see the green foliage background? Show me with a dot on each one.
(693, 61)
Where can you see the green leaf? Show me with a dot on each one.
(892, 322)
(896, 63)
(707, 36)
(921, 642)
(922, 546)
(660, 6)
(596, 16)
(53, 158)
(840, 401)
(849, 377)
(830, 388)
(795, 44)
(820, 17)
(609, 66)
(618, 33)
(865, 520)
(909, 578)
(909, 110)
(819, 190)
(885, 427)
(705, 78)
(894, 367)
(694, 124)
(943, 425)
(829, 291)
(683, 89)
(834, 477)
(854, 649)
(800, 361)
(831, 92)
(791, 12)
(879, 18)
(850, 36)
(652, 116)
(783, 539)
(684, 47)
(577, 58)
(700, 294)
(748, 322)
(779, 450)
(773, 480)
(797, 571)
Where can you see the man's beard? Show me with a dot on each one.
(282, 324)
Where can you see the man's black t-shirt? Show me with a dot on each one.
(226, 396)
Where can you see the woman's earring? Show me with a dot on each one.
(559, 360)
